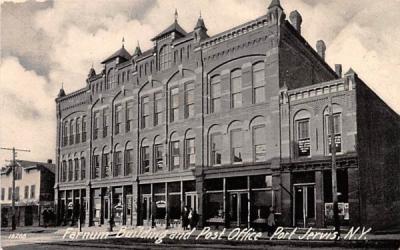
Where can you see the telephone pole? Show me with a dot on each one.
(334, 170)
(14, 155)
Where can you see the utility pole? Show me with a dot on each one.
(334, 170)
(14, 155)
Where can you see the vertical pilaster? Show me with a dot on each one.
(319, 198)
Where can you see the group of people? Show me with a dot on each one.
(189, 218)
(48, 217)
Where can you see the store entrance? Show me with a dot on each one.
(304, 205)
(146, 210)
(238, 209)
(191, 201)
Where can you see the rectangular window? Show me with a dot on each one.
(26, 192)
(337, 130)
(18, 172)
(70, 170)
(189, 100)
(236, 146)
(3, 193)
(190, 158)
(175, 155)
(96, 125)
(128, 162)
(158, 109)
(118, 119)
(77, 170)
(83, 168)
(33, 187)
(129, 116)
(145, 112)
(174, 104)
(83, 128)
(216, 149)
(65, 134)
(258, 83)
(303, 138)
(78, 130)
(215, 95)
(158, 157)
(16, 193)
(118, 163)
(106, 122)
(106, 165)
(64, 171)
(145, 152)
(96, 166)
(236, 89)
(9, 193)
(259, 144)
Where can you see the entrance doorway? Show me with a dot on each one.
(238, 209)
(191, 201)
(304, 205)
(106, 210)
(146, 210)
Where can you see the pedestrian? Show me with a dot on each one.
(193, 219)
(271, 221)
(45, 215)
(190, 217)
(185, 219)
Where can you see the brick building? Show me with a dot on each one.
(228, 125)
(34, 193)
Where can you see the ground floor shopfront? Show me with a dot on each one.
(299, 196)
(28, 214)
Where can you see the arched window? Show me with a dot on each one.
(118, 170)
(83, 168)
(96, 165)
(110, 79)
(78, 130)
(105, 163)
(145, 157)
(65, 134)
(129, 159)
(190, 152)
(71, 132)
(76, 168)
(215, 94)
(165, 57)
(337, 129)
(158, 150)
(175, 154)
(302, 134)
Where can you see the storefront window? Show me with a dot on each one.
(261, 201)
(215, 208)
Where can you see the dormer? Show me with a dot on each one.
(118, 57)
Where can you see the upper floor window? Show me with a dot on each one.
(18, 172)
(26, 192)
(174, 104)
(215, 89)
(303, 137)
(83, 168)
(190, 153)
(3, 193)
(16, 194)
(337, 131)
(129, 116)
(83, 128)
(145, 112)
(70, 170)
(145, 155)
(96, 166)
(65, 134)
(106, 121)
(96, 125)
(236, 88)
(258, 83)
(10, 193)
(129, 161)
(33, 187)
(236, 146)
(189, 100)
(175, 155)
(216, 149)
(158, 109)
(110, 79)
(71, 132)
(118, 119)
(259, 144)
(158, 157)
(78, 130)
(106, 165)
(118, 163)
(77, 169)
(64, 171)
(165, 57)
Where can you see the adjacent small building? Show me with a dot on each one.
(34, 192)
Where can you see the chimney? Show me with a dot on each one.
(338, 70)
(321, 48)
(49, 161)
(296, 20)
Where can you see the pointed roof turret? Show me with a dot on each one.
(61, 93)
(351, 72)
(175, 27)
(121, 53)
(275, 3)
(200, 24)
(138, 51)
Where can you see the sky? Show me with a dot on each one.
(45, 43)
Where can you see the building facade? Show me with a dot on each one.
(34, 193)
(228, 125)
